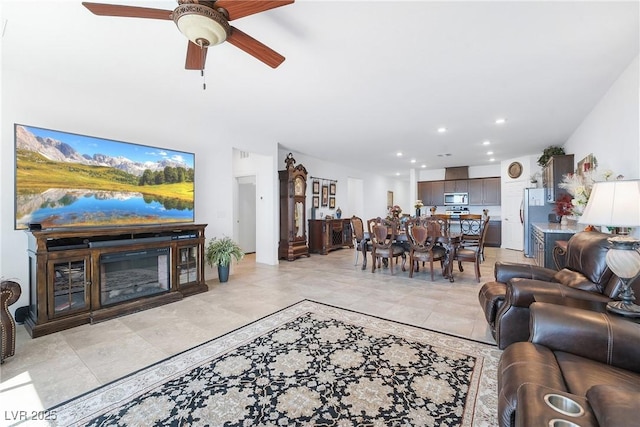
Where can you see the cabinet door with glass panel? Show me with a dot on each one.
(69, 288)
(188, 267)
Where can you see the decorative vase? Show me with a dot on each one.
(223, 273)
(338, 213)
(417, 212)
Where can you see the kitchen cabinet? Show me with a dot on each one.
(456, 186)
(544, 240)
(493, 238)
(431, 193)
(484, 192)
(553, 173)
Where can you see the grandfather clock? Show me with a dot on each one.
(293, 201)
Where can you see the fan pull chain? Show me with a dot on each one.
(204, 82)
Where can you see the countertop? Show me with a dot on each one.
(550, 227)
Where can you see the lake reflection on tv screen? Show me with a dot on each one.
(62, 207)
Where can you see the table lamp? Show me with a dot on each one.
(617, 204)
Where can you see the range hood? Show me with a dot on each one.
(459, 172)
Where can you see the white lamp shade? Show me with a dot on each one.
(613, 204)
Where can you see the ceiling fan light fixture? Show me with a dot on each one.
(200, 24)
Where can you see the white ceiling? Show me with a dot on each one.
(362, 79)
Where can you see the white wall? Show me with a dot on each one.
(612, 130)
(374, 187)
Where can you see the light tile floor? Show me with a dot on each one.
(54, 368)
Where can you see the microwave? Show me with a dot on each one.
(456, 199)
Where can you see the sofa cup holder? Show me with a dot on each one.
(565, 406)
(556, 422)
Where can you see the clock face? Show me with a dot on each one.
(298, 187)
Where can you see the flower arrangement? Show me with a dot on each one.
(418, 204)
(563, 206)
(394, 211)
(579, 187)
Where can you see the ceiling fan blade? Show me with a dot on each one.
(127, 11)
(254, 48)
(239, 8)
(196, 57)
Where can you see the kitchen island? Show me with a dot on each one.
(545, 235)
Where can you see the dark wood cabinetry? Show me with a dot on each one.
(482, 191)
(328, 234)
(544, 242)
(431, 192)
(456, 186)
(293, 191)
(494, 234)
(553, 173)
(85, 275)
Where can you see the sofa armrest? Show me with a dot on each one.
(614, 406)
(504, 271)
(522, 292)
(597, 336)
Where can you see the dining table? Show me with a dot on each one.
(450, 241)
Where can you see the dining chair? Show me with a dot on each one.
(470, 229)
(473, 252)
(359, 241)
(384, 247)
(423, 243)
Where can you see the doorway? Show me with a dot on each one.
(246, 219)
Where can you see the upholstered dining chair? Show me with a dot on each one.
(383, 235)
(359, 242)
(423, 237)
(471, 227)
(473, 252)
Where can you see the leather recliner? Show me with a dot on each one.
(583, 353)
(586, 276)
(9, 293)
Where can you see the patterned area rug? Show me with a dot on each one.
(308, 364)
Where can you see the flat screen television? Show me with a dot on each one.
(69, 180)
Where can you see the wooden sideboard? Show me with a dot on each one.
(328, 234)
(87, 275)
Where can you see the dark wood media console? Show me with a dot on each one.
(87, 275)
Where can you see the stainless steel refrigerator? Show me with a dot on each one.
(534, 208)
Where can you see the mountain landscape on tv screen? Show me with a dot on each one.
(69, 180)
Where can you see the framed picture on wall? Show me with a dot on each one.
(389, 199)
(316, 187)
(325, 195)
(316, 201)
(332, 202)
(332, 188)
(586, 164)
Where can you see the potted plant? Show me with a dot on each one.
(219, 252)
(549, 152)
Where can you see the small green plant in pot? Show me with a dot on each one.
(219, 253)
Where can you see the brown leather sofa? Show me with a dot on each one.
(586, 276)
(592, 356)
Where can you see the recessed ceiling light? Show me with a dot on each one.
(423, 166)
(399, 154)
(487, 142)
(501, 121)
(413, 160)
(492, 159)
(442, 129)
(489, 153)
(397, 173)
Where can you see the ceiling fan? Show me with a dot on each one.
(205, 24)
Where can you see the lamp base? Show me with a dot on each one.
(623, 308)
